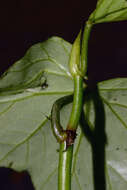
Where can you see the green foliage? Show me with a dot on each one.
(27, 92)
(26, 139)
(109, 11)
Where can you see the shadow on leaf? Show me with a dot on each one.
(96, 136)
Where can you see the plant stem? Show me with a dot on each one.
(65, 164)
(84, 50)
(77, 103)
(66, 153)
(57, 129)
(78, 72)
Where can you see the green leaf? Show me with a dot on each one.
(106, 131)
(109, 11)
(28, 90)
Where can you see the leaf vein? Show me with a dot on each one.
(66, 50)
(118, 104)
(112, 89)
(23, 141)
(7, 109)
(117, 172)
(76, 153)
(35, 93)
(114, 112)
(111, 13)
(77, 180)
(55, 62)
(48, 178)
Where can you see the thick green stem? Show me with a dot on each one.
(65, 164)
(84, 50)
(78, 70)
(77, 103)
(66, 153)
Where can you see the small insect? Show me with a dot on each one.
(43, 83)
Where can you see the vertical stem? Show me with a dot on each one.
(77, 103)
(84, 50)
(66, 153)
(65, 164)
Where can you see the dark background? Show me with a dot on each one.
(26, 22)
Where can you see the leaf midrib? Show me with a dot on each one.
(109, 14)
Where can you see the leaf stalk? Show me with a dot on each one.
(84, 49)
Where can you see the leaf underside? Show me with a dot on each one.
(27, 92)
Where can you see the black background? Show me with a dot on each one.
(26, 22)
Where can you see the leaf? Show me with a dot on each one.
(105, 150)
(28, 90)
(109, 11)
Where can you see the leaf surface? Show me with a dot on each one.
(109, 11)
(28, 90)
